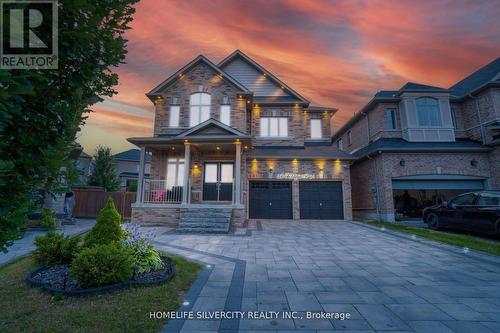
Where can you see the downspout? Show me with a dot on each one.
(377, 192)
(483, 136)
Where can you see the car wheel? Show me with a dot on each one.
(432, 221)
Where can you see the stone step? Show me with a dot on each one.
(204, 225)
(206, 215)
(205, 219)
(203, 230)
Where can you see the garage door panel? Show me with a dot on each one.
(270, 200)
(322, 200)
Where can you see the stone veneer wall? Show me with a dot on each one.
(167, 216)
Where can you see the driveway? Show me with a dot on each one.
(385, 282)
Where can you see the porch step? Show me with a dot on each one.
(205, 220)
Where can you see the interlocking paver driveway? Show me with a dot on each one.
(385, 282)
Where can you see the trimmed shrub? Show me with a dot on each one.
(107, 228)
(102, 265)
(48, 220)
(146, 257)
(55, 249)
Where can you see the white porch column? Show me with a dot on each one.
(237, 177)
(187, 168)
(140, 181)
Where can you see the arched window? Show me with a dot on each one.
(199, 108)
(428, 112)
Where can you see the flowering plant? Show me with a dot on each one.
(146, 257)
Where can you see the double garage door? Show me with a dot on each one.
(318, 200)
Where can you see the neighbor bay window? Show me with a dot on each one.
(316, 132)
(199, 108)
(428, 113)
(274, 127)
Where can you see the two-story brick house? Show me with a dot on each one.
(421, 145)
(233, 142)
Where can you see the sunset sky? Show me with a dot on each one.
(335, 53)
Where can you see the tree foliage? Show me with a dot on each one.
(41, 110)
(103, 171)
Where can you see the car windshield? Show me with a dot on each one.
(489, 199)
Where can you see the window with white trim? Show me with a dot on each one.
(225, 114)
(274, 127)
(428, 112)
(174, 116)
(349, 138)
(316, 132)
(199, 104)
(340, 145)
(175, 172)
(390, 115)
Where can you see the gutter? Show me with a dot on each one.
(481, 127)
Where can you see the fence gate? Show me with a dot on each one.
(89, 201)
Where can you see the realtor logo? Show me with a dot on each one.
(28, 38)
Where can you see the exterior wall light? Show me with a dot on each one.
(474, 163)
(402, 163)
(271, 169)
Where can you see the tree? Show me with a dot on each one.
(41, 111)
(103, 171)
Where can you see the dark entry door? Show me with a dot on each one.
(218, 181)
(270, 200)
(321, 200)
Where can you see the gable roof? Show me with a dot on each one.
(489, 74)
(199, 59)
(131, 155)
(268, 75)
(211, 127)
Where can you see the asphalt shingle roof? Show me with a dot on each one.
(485, 74)
(400, 145)
(131, 155)
(419, 86)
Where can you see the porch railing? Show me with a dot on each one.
(157, 191)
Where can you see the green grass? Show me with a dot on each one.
(28, 309)
(470, 242)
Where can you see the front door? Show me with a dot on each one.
(218, 181)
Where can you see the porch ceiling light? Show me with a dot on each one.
(218, 148)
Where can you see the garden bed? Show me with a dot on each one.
(56, 279)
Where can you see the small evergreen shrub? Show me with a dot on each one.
(102, 265)
(107, 228)
(55, 249)
(48, 220)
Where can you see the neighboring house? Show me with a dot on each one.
(84, 166)
(126, 166)
(421, 145)
(233, 141)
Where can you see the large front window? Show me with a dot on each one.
(428, 112)
(199, 108)
(274, 127)
(175, 172)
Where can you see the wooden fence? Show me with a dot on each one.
(90, 200)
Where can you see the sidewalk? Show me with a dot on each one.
(25, 246)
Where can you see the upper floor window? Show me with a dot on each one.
(349, 138)
(340, 144)
(428, 112)
(225, 114)
(316, 132)
(174, 116)
(454, 118)
(274, 127)
(199, 108)
(390, 115)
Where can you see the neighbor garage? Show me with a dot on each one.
(321, 200)
(270, 200)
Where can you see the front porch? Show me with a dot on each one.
(199, 169)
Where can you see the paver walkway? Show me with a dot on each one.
(25, 246)
(384, 281)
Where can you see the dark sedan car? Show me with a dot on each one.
(475, 211)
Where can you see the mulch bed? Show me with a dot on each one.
(56, 279)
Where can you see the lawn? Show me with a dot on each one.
(28, 309)
(470, 242)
